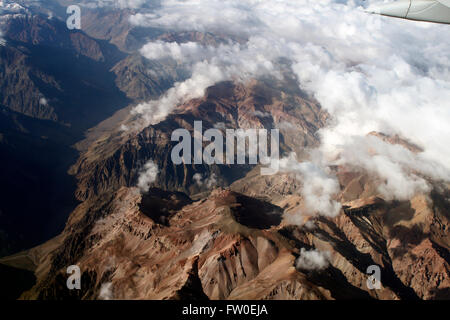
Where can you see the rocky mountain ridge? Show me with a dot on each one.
(231, 246)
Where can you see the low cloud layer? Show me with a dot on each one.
(370, 73)
(43, 101)
(106, 291)
(208, 183)
(122, 4)
(312, 260)
(147, 176)
(319, 186)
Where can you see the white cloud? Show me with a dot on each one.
(312, 260)
(132, 4)
(204, 15)
(180, 52)
(286, 125)
(2, 39)
(401, 171)
(43, 101)
(10, 7)
(147, 176)
(209, 182)
(198, 179)
(122, 4)
(319, 186)
(261, 114)
(106, 291)
(370, 73)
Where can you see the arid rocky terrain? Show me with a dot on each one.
(73, 151)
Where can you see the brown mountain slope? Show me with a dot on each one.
(231, 246)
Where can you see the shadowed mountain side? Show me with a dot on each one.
(55, 84)
(160, 205)
(36, 191)
(14, 281)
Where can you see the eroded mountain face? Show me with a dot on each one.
(232, 246)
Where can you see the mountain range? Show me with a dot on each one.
(72, 158)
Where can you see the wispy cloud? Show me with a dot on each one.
(209, 182)
(2, 40)
(147, 176)
(106, 291)
(312, 260)
(122, 4)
